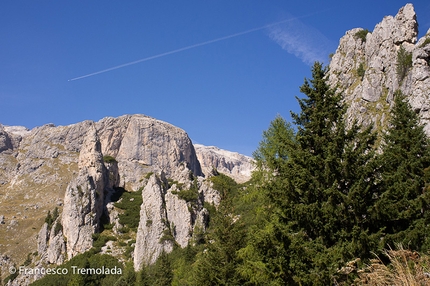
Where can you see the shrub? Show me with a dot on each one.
(404, 63)
(130, 203)
(426, 42)
(362, 34)
(109, 159)
(361, 70)
(58, 228)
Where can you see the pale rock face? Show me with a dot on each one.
(57, 247)
(51, 246)
(233, 164)
(152, 226)
(42, 240)
(370, 98)
(84, 199)
(179, 217)
(142, 144)
(49, 163)
(164, 214)
(5, 142)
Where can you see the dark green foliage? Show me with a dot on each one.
(162, 272)
(99, 240)
(11, 276)
(403, 207)
(362, 34)
(58, 228)
(130, 203)
(226, 186)
(217, 264)
(109, 159)
(425, 43)
(361, 70)
(50, 219)
(316, 197)
(85, 260)
(191, 195)
(404, 63)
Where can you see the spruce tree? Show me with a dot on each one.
(264, 258)
(403, 208)
(217, 264)
(320, 200)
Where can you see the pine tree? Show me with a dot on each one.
(403, 208)
(217, 265)
(264, 258)
(320, 200)
(163, 273)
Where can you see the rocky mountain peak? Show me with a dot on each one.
(369, 66)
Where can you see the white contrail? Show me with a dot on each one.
(191, 47)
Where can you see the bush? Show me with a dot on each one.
(362, 34)
(404, 63)
(130, 203)
(361, 70)
(109, 159)
(58, 228)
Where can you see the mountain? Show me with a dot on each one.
(369, 66)
(81, 171)
(135, 187)
(233, 164)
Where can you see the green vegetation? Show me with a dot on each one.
(130, 203)
(109, 159)
(191, 195)
(404, 63)
(320, 206)
(426, 42)
(361, 70)
(86, 260)
(362, 35)
(50, 219)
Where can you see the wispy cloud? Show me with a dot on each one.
(301, 40)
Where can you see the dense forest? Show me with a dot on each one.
(331, 202)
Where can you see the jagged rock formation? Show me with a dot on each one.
(84, 201)
(166, 217)
(365, 68)
(233, 164)
(78, 167)
(51, 244)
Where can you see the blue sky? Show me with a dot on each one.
(223, 93)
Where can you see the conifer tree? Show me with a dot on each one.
(319, 204)
(264, 258)
(218, 262)
(403, 208)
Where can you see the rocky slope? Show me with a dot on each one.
(79, 169)
(233, 164)
(368, 67)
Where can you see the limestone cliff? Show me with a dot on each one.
(233, 164)
(84, 201)
(78, 169)
(368, 67)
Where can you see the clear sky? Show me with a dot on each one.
(220, 70)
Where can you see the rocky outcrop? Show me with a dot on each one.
(50, 243)
(154, 226)
(77, 169)
(233, 164)
(365, 68)
(142, 144)
(84, 201)
(170, 214)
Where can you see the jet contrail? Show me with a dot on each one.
(192, 46)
